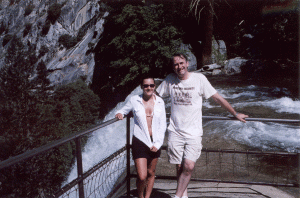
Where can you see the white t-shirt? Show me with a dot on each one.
(186, 103)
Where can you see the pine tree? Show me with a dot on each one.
(143, 44)
(137, 40)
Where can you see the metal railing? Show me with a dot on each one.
(244, 167)
(77, 185)
(74, 137)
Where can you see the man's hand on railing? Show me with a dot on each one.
(241, 117)
(119, 116)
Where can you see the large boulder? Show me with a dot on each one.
(219, 52)
(211, 67)
(191, 57)
(233, 66)
(216, 72)
(218, 55)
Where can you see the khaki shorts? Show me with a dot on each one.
(180, 148)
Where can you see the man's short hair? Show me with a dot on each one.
(182, 55)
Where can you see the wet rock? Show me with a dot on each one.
(233, 66)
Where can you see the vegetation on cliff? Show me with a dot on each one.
(33, 113)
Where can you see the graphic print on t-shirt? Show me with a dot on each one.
(183, 96)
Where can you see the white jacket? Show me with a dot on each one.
(140, 130)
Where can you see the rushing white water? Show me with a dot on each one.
(263, 136)
(105, 141)
(250, 98)
(260, 102)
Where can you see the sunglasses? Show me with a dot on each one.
(146, 85)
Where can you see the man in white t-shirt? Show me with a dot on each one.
(186, 90)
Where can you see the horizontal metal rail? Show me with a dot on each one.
(233, 151)
(225, 181)
(14, 160)
(28, 154)
(244, 152)
(252, 119)
(75, 137)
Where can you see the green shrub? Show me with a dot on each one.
(81, 34)
(67, 41)
(43, 50)
(6, 39)
(54, 12)
(29, 8)
(46, 28)
(3, 28)
(27, 28)
(14, 2)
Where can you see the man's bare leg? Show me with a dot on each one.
(179, 168)
(184, 174)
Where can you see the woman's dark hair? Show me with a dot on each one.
(146, 76)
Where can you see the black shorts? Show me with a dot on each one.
(141, 150)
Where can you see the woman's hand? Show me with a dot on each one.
(119, 116)
(153, 149)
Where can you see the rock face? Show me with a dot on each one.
(219, 52)
(233, 66)
(191, 57)
(218, 55)
(83, 21)
(77, 18)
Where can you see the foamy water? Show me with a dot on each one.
(260, 135)
(104, 141)
(263, 136)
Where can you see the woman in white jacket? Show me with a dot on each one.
(148, 133)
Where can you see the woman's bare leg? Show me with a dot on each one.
(141, 169)
(151, 177)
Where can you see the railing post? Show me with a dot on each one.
(128, 153)
(298, 156)
(79, 167)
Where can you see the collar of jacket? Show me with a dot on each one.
(140, 99)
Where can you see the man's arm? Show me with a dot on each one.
(220, 100)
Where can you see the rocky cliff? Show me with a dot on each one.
(79, 20)
(64, 33)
